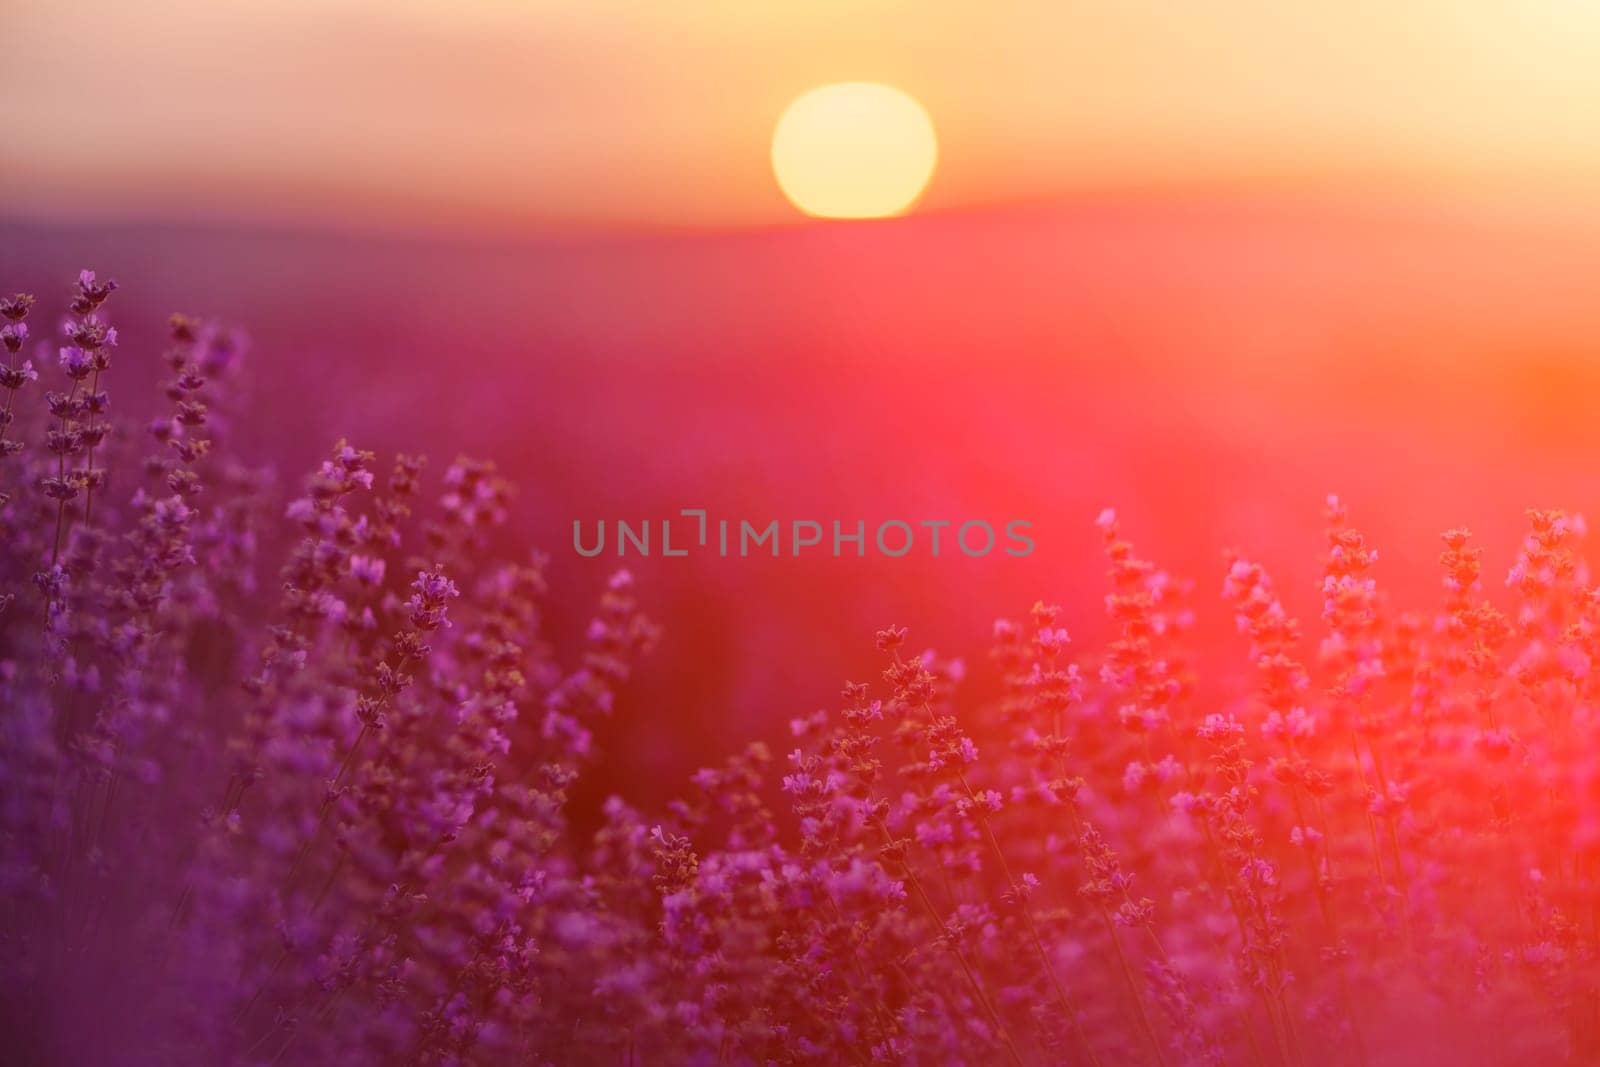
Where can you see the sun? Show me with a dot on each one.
(854, 150)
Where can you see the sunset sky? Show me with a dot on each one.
(532, 114)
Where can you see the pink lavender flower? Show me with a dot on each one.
(351, 814)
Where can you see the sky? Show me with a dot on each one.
(529, 114)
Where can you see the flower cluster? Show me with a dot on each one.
(331, 817)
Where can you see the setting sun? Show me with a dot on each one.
(855, 150)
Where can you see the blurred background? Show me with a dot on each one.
(1204, 265)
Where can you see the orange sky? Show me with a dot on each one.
(435, 113)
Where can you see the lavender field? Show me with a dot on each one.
(808, 532)
(314, 768)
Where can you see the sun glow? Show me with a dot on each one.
(854, 150)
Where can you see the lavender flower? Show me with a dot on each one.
(345, 814)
